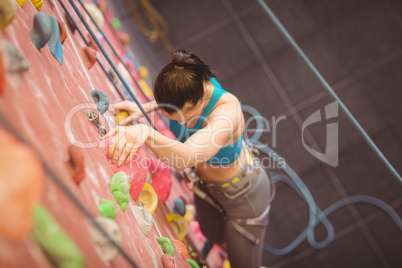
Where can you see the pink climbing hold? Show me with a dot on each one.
(136, 170)
(161, 178)
(167, 261)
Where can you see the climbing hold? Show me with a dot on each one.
(46, 31)
(92, 42)
(88, 56)
(54, 241)
(192, 263)
(75, 164)
(226, 264)
(101, 100)
(136, 170)
(21, 2)
(70, 22)
(161, 178)
(179, 206)
(107, 209)
(149, 178)
(121, 116)
(112, 75)
(178, 224)
(97, 15)
(181, 248)
(148, 198)
(21, 177)
(120, 186)
(143, 218)
(143, 72)
(190, 213)
(116, 23)
(14, 60)
(7, 12)
(167, 261)
(37, 3)
(62, 31)
(166, 245)
(124, 38)
(106, 250)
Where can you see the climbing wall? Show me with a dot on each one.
(38, 103)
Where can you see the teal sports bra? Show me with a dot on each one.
(227, 154)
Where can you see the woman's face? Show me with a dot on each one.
(188, 115)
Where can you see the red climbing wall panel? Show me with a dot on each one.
(37, 102)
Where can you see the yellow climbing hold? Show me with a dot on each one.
(37, 3)
(121, 116)
(21, 2)
(226, 264)
(148, 198)
(145, 88)
(8, 10)
(179, 225)
(143, 71)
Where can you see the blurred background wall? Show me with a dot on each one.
(357, 47)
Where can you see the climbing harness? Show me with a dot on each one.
(231, 190)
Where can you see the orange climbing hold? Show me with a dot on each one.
(62, 31)
(181, 248)
(75, 164)
(88, 55)
(124, 38)
(21, 177)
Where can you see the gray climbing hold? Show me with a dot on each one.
(103, 246)
(46, 31)
(179, 206)
(101, 100)
(14, 60)
(143, 218)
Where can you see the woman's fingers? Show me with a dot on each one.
(129, 151)
(119, 146)
(130, 118)
(110, 133)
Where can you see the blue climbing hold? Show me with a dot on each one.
(101, 100)
(179, 206)
(46, 31)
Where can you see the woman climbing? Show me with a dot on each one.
(232, 192)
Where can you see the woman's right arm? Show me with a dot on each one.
(133, 110)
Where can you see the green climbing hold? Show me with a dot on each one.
(107, 209)
(192, 263)
(116, 23)
(120, 187)
(54, 241)
(166, 245)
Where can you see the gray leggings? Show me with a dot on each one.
(242, 252)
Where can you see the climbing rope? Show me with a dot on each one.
(316, 215)
(159, 26)
(330, 90)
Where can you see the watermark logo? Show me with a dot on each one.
(330, 156)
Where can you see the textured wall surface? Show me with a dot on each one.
(357, 47)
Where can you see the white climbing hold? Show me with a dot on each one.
(143, 218)
(106, 250)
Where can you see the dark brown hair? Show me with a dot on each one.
(181, 80)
